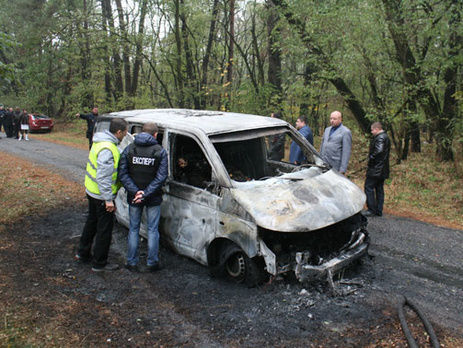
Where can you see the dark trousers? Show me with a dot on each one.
(8, 130)
(17, 128)
(374, 190)
(98, 231)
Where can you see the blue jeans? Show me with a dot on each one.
(152, 213)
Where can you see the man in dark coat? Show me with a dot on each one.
(17, 122)
(377, 170)
(91, 120)
(2, 117)
(143, 170)
(276, 142)
(8, 121)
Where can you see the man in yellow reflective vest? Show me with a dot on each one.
(101, 186)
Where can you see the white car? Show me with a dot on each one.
(228, 206)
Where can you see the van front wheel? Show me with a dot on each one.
(239, 267)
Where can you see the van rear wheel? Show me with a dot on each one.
(239, 267)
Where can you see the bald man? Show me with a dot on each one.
(336, 143)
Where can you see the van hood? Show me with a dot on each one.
(301, 201)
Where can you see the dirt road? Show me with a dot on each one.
(182, 306)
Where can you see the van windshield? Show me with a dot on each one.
(261, 154)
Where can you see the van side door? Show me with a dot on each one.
(189, 208)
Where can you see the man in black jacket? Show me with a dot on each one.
(143, 171)
(377, 170)
(277, 142)
(8, 123)
(17, 122)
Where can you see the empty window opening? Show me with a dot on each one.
(244, 160)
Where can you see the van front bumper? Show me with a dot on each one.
(307, 272)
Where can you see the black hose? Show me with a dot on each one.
(427, 325)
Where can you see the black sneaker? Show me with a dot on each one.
(80, 259)
(107, 267)
(154, 268)
(131, 268)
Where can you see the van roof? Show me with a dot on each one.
(209, 122)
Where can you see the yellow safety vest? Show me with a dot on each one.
(90, 176)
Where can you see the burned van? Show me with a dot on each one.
(227, 205)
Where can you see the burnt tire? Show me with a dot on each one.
(238, 267)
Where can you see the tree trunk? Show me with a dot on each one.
(256, 57)
(231, 49)
(85, 59)
(304, 108)
(406, 146)
(125, 48)
(106, 60)
(445, 124)
(179, 70)
(415, 137)
(139, 48)
(50, 94)
(205, 65)
(116, 58)
(274, 59)
(192, 81)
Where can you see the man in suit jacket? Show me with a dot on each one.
(336, 143)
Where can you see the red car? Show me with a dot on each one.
(40, 123)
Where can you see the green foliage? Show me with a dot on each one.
(7, 70)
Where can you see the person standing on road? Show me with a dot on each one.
(336, 144)
(91, 120)
(17, 122)
(8, 123)
(101, 186)
(296, 156)
(2, 117)
(377, 170)
(143, 171)
(276, 142)
(24, 125)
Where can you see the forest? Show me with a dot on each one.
(397, 61)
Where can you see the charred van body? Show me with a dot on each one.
(227, 205)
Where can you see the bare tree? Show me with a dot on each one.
(125, 48)
(139, 48)
(207, 54)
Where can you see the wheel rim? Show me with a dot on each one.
(236, 266)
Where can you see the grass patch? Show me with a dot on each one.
(27, 189)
